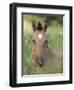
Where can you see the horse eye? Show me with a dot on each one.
(46, 41)
(33, 41)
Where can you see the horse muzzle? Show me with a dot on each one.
(40, 61)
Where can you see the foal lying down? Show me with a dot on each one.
(42, 55)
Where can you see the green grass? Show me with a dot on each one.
(55, 41)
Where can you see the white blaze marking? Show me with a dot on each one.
(40, 36)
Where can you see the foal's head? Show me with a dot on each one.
(40, 41)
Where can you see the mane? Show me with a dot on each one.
(39, 26)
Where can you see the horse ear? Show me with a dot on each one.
(45, 27)
(34, 26)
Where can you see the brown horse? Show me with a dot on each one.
(41, 54)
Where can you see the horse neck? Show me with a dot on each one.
(50, 54)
